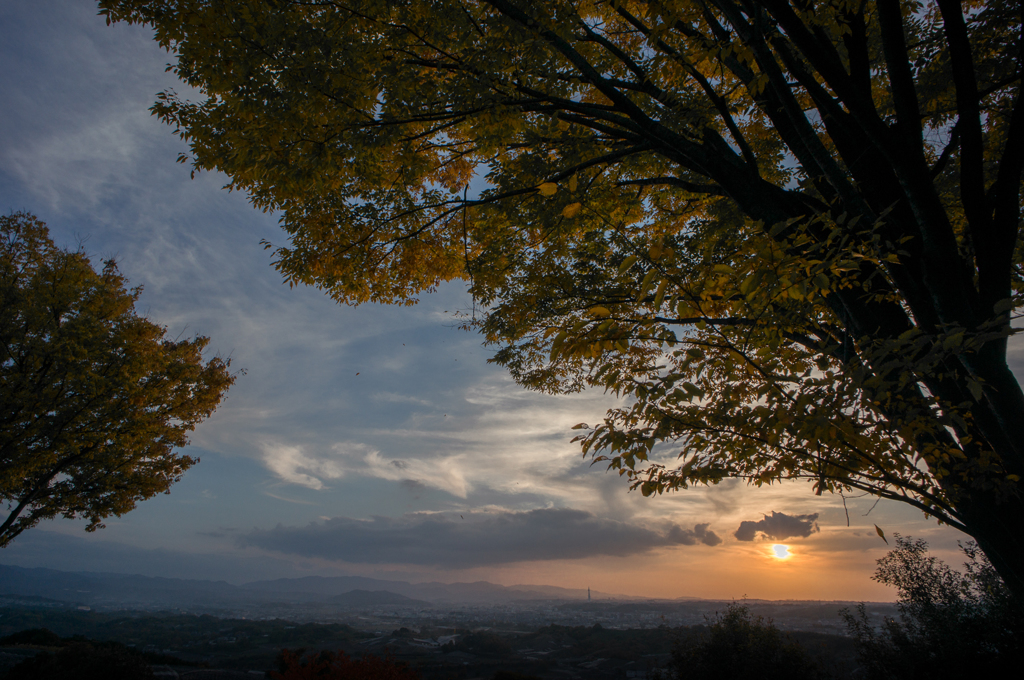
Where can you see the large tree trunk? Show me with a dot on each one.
(998, 527)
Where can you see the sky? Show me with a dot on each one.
(375, 440)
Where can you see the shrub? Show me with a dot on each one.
(510, 675)
(951, 624)
(737, 645)
(339, 666)
(84, 661)
(39, 637)
(485, 643)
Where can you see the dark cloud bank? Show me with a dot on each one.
(778, 527)
(478, 540)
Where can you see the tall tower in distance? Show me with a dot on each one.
(588, 594)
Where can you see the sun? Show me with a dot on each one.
(781, 552)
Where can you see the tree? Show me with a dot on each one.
(951, 624)
(327, 665)
(94, 401)
(737, 646)
(787, 232)
(77, 659)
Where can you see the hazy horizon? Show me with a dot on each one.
(480, 589)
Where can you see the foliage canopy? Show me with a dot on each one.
(738, 645)
(787, 231)
(326, 665)
(83, 660)
(93, 400)
(951, 624)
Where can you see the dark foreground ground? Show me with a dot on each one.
(191, 647)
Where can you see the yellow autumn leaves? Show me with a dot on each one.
(571, 210)
(548, 189)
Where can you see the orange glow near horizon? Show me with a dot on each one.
(729, 571)
(781, 552)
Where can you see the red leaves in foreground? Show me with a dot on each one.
(339, 666)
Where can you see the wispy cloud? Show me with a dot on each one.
(293, 464)
(445, 474)
(288, 500)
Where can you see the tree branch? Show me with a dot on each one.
(972, 175)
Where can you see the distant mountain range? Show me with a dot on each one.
(108, 589)
(372, 598)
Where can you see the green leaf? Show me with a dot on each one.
(659, 296)
(645, 285)
(975, 387)
(1004, 305)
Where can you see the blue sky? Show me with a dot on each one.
(370, 440)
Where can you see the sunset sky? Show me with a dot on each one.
(374, 440)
